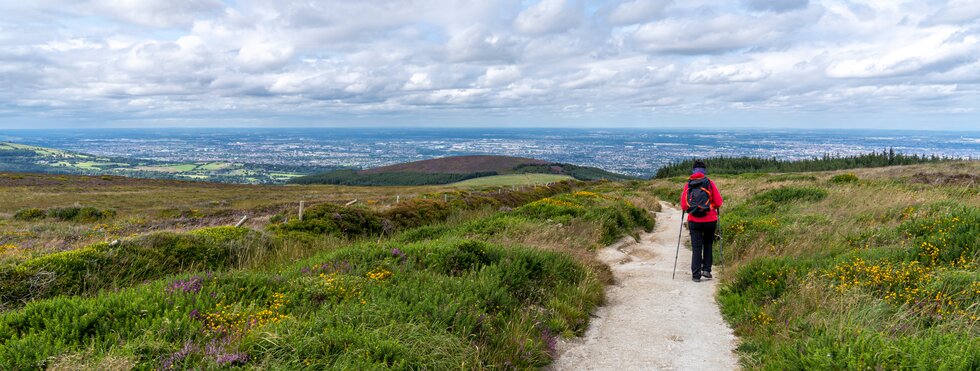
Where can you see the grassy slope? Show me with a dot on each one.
(797, 294)
(513, 179)
(148, 205)
(838, 272)
(454, 169)
(474, 289)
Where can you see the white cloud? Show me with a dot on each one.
(515, 59)
(478, 43)
(500, 76)
(776, 5)
(745, 72)
(956, 11)
(717, 34)
(157, 13)
(934, 48)
(264, 54)
(69, 45)
(637, 11)
(548, 16)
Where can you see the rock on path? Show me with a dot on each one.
(651, 322)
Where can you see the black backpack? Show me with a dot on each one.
(699, 197)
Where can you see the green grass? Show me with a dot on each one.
(213, 166)
(878, 273)
(144, 205)
(513, 179)
(468, 291)
(860, 270)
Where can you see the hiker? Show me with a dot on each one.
(701, 201)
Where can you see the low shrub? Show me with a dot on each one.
(844, 178)
(792, 177)
(334, 220)
(354, 221)
(790, 195)
(81, 214)
(945, 234)
(426, 305)
(100, 266)
(68, 214)
(417, 212)
(29, 214)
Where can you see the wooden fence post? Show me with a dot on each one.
(301, 204)
(240, 222)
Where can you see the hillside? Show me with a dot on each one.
(431, 280)
(24, 158)
(512, 180)
(869, 268)
(453, 169)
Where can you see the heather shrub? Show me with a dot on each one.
(29, 214)
(101, 266)
(418, 212)
(844, 178)
(68, 214)
(790, 195)
(80, 214)
(334, 220)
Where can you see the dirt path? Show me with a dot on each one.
(651, 322)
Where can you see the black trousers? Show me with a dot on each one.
(702, 237)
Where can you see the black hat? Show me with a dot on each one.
(699, 164)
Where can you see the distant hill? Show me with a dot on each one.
(458, 165)
(32, 159)
(454, 169)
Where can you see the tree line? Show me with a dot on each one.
(745, 164)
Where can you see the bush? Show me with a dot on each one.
(792, 177)
(432, 303)
(417, 212)
(947, 234)
(29, 214)
(334, 220)
(99, 266)
(790, 194)
(361, 222)
(844, 178)
(68, 214)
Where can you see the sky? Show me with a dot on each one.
(887, 64)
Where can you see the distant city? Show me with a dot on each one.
(636, 152)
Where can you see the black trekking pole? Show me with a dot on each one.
(678, 252)
(721, 239)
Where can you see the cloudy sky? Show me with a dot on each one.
(648, 63)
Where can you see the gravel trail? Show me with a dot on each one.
(651, 322)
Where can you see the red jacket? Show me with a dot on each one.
(716, 202)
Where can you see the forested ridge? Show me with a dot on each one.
(745, 164)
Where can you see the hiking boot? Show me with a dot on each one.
(706, 275)
(696, 279)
